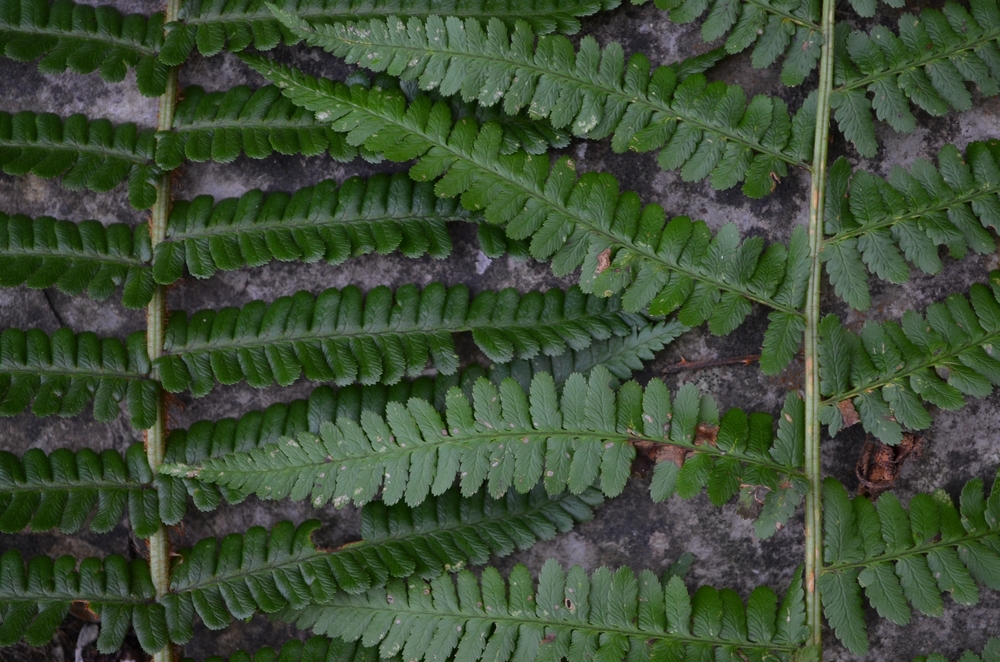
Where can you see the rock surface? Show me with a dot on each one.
(628, 530)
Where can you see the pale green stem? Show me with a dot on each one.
(156, 312)
(817, 202)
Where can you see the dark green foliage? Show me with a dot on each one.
(991, 653)
(927, 64)
(76, 257)
(575, 222)
(81, 38)
(270, 570)
(314, 649)
(218, 126)
(705, 130)
(214, 25)
(62, 373)
(507, 437)
(35, 597)
(324, 222)
(880, 222)
(213, 439)
(605, 616)
(775, 28)
(343, 336)
(61, 489)
(889, 369)
(905, 558)
(90, 154)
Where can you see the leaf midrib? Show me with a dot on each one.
(338, 15)
(63, 35)
(105, 258)
(104, 152)
(921, 550)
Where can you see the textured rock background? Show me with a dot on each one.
(628, 530)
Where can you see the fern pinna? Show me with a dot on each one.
(466, 421)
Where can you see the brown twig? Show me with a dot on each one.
(685, 365)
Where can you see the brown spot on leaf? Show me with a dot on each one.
(879, 465)
(648, 454)
(848, 412)
(705, 434)
(603, 260)
(549, 638)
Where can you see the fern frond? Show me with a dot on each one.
(83, 39)
(775, 28)
(568, 616)
(880, 222)
(342, 336)
(214, 25)
(889, 369)
(90, 154)
(62, 373)
(313, 649)
(926, 64)
(705, 130)
(905, 558)
(36, 596)
(218, 126)
(383, 213)
(575, 221)
(213, 439)
(510, 438)
(269, 570)
(76, 257)
(61, 489)
(991, 653)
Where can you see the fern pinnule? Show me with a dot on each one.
(61, 489)
(900, 557)
(510, 438)
(887, 371)
(611, 612)
(214, 25)
(76, 257)
(36, 596)
(83, 39)
(86, 153)
(879, 222)
(63, 373)
(341, 336)
(927, 64)
(705, 130)
(775, 29)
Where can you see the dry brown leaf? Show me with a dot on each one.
(603, 260)
(848, 413)
(879, 465)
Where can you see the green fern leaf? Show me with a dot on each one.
(790, 29)
(83, 39)
(214, 25)
(339, 336)
(324, 222)
(62, 373)
(76, 257)
(269, 570)
(878, 221)
(598, 93)
(36, 596)
(90, 154)
(60, 490)
(613, 611)
(926, 63)
(890, 369)
(902, 558)
(506, 437)
(571, 221)
(213, 439)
